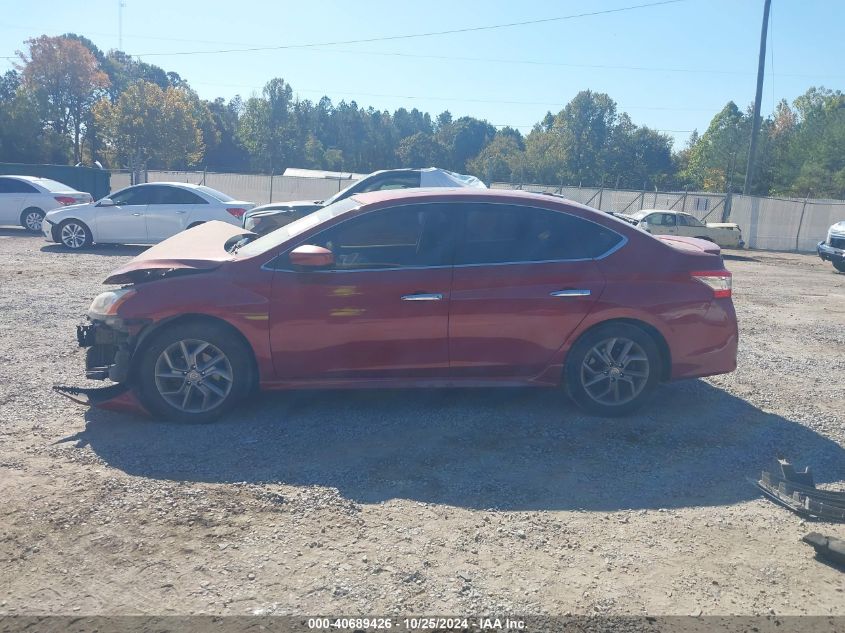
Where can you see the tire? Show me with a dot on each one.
(612, 389)
(31, 219)
(75, 235)
(185, 387)
(840, 265)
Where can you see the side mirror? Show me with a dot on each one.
(106, 202)
(311, 256)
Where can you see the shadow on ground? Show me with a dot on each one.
(7, 231)
(512, 449)
(110, 250)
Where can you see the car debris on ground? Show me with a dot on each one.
(797, 491)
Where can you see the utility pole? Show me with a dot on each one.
(755, 124)
(120, 5)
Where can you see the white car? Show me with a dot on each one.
(142, 214)
(832, 248)
(663, 222)
(25, 200)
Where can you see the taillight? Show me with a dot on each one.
(718, 280)
(65, 200)
(237, 212)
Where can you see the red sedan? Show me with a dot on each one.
(415, 288)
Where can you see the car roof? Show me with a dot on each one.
(19, 177)
(467, 194)
(183, 185)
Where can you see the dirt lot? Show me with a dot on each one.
(427, 502)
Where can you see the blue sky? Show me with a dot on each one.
(671, 67)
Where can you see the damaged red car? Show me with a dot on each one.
(413, 288)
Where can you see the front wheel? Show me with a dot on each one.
(31, 219)
(839, 265)
(613, 369)
(193, 372)
(75, 235)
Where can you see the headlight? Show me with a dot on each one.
(107, 303)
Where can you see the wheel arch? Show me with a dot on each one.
(647, 328)
(198, 319)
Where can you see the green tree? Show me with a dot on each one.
(65, 81)
(148, 125)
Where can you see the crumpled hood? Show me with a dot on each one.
(199, 248)
(839, 227)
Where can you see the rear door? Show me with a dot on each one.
(524, 278)
(380, 312)
(125, 221)
(171, 210)
(12, 194)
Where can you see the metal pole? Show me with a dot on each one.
(755, 124)
(271, 185)
(801, 220)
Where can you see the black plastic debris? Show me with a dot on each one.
(828, 548)
(797, 491)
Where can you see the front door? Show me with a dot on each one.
(125, 221)
(524, 279)
(380, 311)
(662, 223)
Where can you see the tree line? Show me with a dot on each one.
(68, 102)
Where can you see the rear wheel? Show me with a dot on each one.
(193, 372)
(31, 219)
(840, 265)
(613, 369)
(75, 235)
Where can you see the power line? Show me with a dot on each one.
(407, 36)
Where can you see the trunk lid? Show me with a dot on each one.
(201, 248)
(690, 245)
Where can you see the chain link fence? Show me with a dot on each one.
(257, 188)
(778, 224)
(781, 224)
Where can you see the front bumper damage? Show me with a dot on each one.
(829, 253)
(108, 356)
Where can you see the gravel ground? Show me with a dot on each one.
(427, 502)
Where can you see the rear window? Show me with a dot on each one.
(53, 185)
(217, 195)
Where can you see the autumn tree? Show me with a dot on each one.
(65, 80)
(151, 125)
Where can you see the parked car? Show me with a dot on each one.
(416, 288)
(25, 200)
(269, 217)
(832, 249)
(660, 222)
(142, 214)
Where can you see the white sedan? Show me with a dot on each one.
(25, 200)
(665, 222)
(142, 214)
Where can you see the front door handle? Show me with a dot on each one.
(181, 212)
(571, 292)
(136, 214)
(433, 296)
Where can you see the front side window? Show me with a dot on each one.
(502, 233)
(661, 219)
(392, 181)
(410, 236)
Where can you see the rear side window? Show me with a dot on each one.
(174, 195)
(11, 185)
(502, 233)
(409, 236)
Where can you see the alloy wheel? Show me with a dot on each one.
(73, 235)
(615, 371)
(32, 220)
(193, 376)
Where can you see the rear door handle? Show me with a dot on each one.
(181, 212)
(571, 292)
(136, 214)
(433, 296)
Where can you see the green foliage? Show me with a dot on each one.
(71, 101)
